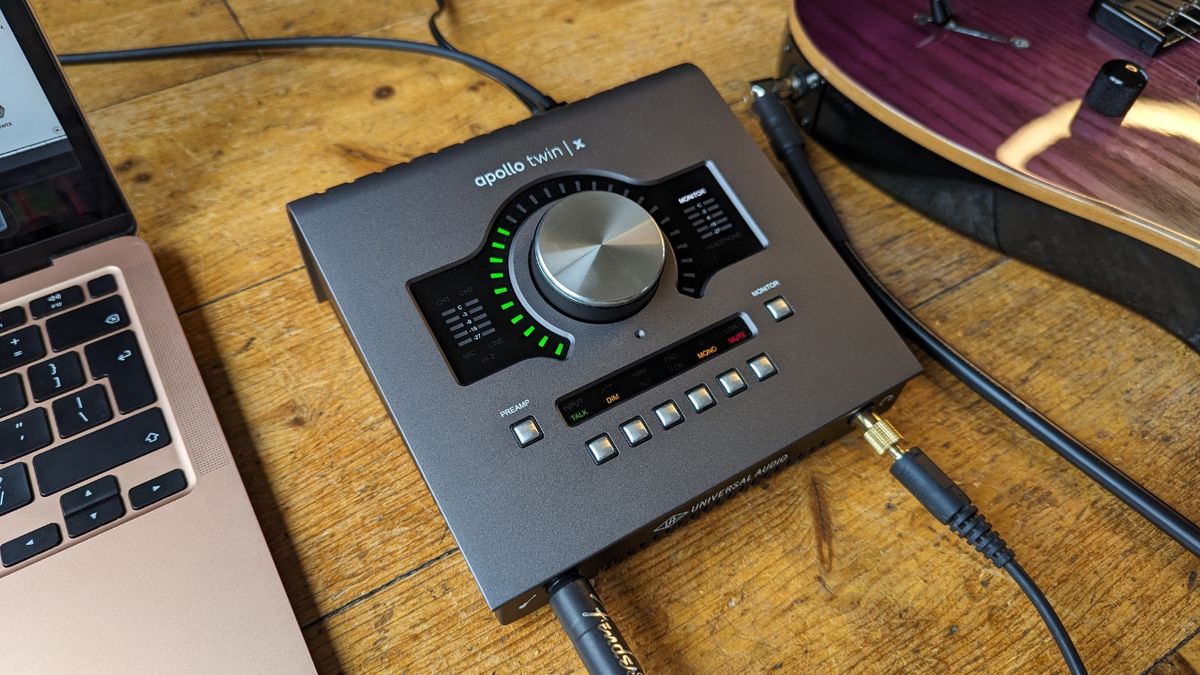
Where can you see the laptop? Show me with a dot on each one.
(127, 541)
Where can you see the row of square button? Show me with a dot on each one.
(527, 431)
(701, 399)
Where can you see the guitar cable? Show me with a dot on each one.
(601, 647)
(788, 145)
(946, 502)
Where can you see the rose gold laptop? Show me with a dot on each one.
(127, 542)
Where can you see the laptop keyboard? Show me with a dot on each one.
(76, 403)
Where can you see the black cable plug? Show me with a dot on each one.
(949, 504)
(601, 647)
(942, 497)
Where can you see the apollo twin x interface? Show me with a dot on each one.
(593, 324)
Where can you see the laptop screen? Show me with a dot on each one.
(53, 180)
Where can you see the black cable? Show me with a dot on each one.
(946, 502)
(788, 145)
(437, 32)
(601, 647)
(535, 100)
(440, 39)
(1053, 624)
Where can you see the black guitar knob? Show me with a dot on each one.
(1116, 87)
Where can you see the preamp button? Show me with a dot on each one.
(762, 367)
(701, 398)
(527, 432)
(779, 308)
(668, 414)
(602, 448)
(731, 382)
(636, 431)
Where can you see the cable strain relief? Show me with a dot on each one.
(970, 524)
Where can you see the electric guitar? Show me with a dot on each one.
(997, 86)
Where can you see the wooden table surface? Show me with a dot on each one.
(829, 567)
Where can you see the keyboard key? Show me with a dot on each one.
(158, 489)
(12, 317)
(21, 347)
(89, 495)
(79, 524)
(81, 411)
(56, 376)
(23, 434)
(56, 301)
(87, 323)
(29, 545)
(100, 452)
(119, 358)
(12, 394)
(14, 488)
(102, 285)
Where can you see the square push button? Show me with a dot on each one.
(668, 414)
(602, 448)
(701, 398)
(636, 431)
(779, 308)
(527, 432)
(731, 382)
(762, 367)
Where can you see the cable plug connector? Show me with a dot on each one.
(881, 435)
(940, 495)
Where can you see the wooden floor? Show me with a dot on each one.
(829, 567)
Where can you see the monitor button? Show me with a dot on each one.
(701, 398)
(602, 448)
(527, 432)
(779, 308)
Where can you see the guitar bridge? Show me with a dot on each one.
(1149, 25)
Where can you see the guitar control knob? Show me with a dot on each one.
(1116, 87)
(598, 256)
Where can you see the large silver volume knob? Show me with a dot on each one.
(598, 256)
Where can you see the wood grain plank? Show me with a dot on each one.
(269, 18)
(96, 25)
(1182, 661)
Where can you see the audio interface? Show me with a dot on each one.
(595, 323)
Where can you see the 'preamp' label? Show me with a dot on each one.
(512, 410)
